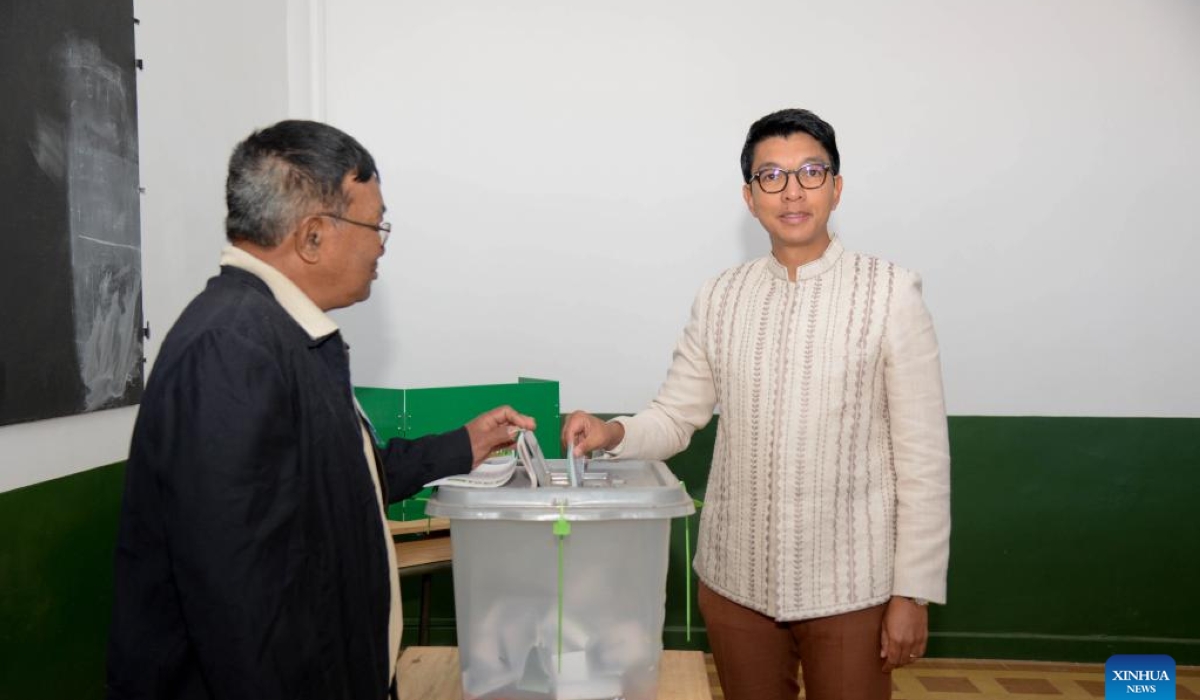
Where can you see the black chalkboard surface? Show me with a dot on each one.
(70, 266)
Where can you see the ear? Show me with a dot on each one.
(308, 237)
(748, 195)
(837, 191)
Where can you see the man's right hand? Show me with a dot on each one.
(495, 429)
(590, 433)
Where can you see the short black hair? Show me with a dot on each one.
(784, 123)
(287, 171)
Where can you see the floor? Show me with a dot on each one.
(945, 679)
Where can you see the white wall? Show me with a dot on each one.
(1034, 160)
(982, 145)
(214, 69)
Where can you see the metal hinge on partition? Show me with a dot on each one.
(403, 417)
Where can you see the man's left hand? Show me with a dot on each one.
(905, 632)
(494, 430)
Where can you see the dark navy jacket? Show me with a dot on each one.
(251, 562)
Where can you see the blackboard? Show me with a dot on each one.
(70, 268)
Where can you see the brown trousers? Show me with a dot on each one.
(758, 658)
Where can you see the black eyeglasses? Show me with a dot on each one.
(384, 229)
(810, 176)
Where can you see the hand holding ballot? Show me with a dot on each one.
(588, 433)
(495, 430)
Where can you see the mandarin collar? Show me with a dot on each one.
(812, 269)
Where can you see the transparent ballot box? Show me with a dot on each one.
(560, 587)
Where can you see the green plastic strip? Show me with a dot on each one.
(562, 528)
(687, 553)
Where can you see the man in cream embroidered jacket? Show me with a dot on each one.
(829, 491)
(830, 475)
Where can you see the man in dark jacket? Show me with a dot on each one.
(253, 559)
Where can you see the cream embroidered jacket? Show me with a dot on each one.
(830, 484)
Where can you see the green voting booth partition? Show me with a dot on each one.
(411, 413)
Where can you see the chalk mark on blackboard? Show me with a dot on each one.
(115, 245)
(102, 180)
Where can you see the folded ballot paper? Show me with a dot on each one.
(498, 471)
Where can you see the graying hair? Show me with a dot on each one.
(288, 171)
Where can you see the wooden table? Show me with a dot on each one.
(425, 548)
(432, 673)
(433, 548)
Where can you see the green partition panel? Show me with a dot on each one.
(411, 413)
(385, 408)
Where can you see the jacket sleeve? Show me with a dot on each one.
(226, 462)
(917, 416)
(410, 464)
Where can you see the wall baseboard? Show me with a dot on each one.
(1042, 647)
(944, 645)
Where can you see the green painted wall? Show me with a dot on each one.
(1074, 538)
(56, 579)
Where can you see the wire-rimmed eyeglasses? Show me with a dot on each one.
(810, 176)
(384, 229)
